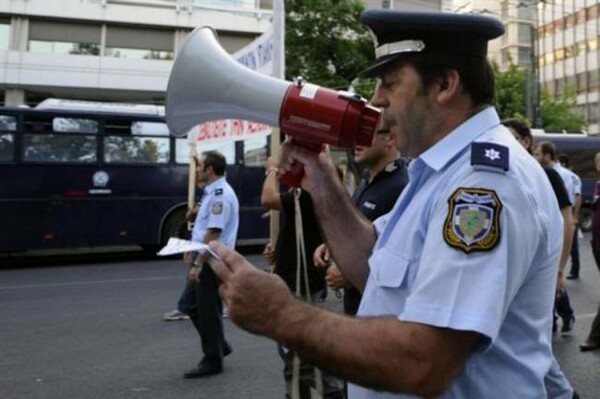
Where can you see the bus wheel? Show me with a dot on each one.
(585, 219)
(175, 226)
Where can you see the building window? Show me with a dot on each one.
(40, 46)
(525, 56)
(506, 57)
(141, 44)
(139, 54)
(526, 12)
(4, 35)
(593, 79)
(63, 38)
(582, 83)
(524, 33)
(255, 151)
(581, 47)
(593, 112)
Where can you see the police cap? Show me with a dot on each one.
(398, 33)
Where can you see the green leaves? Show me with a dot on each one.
(325, 42)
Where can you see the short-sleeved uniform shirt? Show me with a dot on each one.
(219, 209)
(374, 198)
(571, 180)
(473, 245)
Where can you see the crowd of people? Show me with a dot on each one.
(451, 253)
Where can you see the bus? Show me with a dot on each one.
(82, 174)
(581, 149)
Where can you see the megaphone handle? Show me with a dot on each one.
(293, 177)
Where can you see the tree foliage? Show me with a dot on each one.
(325, 42)
(511, 102)
(558, 115)
(510, 92)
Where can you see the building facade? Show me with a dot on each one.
(411, 5)
(109, 50)
(568, 53)
(556, 41)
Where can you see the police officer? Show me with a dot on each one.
(384, 177)
(217, 219)
(458, 278)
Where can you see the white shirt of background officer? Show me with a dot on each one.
(218, 215)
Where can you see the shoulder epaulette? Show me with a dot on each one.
(218, 191)
(489, 156)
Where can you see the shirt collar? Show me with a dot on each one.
(447, 148)
(210, 188)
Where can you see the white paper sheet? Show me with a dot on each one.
(178, 246)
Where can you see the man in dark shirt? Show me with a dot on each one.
(385, 176)
(289, 268)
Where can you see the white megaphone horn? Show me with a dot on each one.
(206, 84)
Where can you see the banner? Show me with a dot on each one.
(264, 55)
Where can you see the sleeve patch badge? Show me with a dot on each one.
(473, 221)
(216, 208)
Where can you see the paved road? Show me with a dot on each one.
(94, 330)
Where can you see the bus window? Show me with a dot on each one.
(144, 128)
(182, 150)
(137, 150)
(255, 151)
(74, 125)
(8, 125)
(7, 146)
(121, 147)
(45, 140)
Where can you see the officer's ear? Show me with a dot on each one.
(448, 86)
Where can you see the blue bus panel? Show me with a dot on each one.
(73, 179)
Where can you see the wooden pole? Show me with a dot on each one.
(274, 215)
(191, 202)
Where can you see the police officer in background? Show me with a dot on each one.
(458, 279)
(384, 177)
(217, 219)
(565, 162)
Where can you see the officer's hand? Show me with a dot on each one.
(255, 299)
(188, 258)
(190, 215)
(335, 279)
(271, 163)
(319, 171)
(560, 285)
(321, 257)
(269, 254)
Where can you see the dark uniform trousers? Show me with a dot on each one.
(207, 315)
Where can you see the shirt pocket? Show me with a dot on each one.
(390, 269)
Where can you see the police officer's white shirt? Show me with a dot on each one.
(505, 294)
(571, 181)
(219, 210)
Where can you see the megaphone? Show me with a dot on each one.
(206, 84)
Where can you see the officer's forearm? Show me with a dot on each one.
(349, 235)
(386, 354)
(211, 235)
